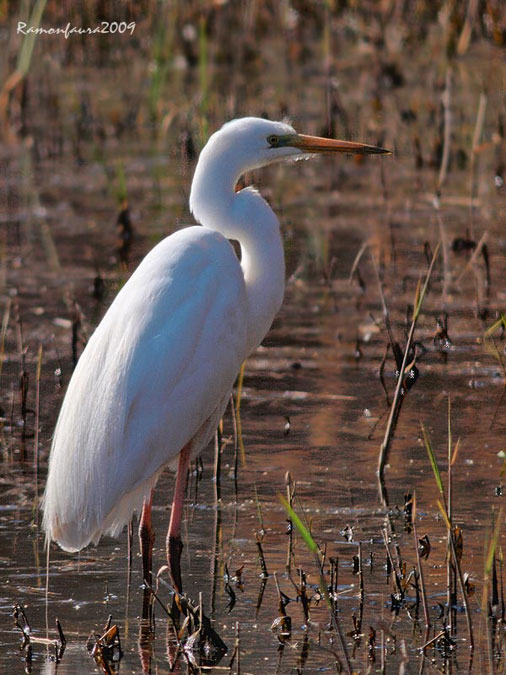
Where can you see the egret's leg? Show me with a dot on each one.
(174, 543)
(146, 539)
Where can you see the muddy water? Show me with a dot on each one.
(312, 402)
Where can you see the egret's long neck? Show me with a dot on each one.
(246, 217)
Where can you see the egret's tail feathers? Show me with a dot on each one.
(69, 536)
(75, 534)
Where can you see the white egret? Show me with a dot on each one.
(157, 373)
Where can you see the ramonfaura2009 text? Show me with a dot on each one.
(105, 27)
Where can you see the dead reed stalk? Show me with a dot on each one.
(399, 390)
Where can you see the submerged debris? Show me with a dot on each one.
(282, 625)
(106, 649)
(195, 635)
(21, 622)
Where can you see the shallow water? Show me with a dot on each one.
(312, 402)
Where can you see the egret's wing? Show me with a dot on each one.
(160, 363)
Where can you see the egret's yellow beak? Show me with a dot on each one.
(313, 144)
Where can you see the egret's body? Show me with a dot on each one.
(156, 375)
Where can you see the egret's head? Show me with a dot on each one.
(246, 144)
(253, 142)
(256, 142)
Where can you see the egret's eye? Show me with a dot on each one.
(273, 141)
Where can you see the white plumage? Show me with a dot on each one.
(158, 371)
(146, 384)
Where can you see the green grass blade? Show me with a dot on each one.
(442, 509)
(493, 543)
(432, 459)
(421, 295)
(26, 51)
(501, 321)
(303, 531)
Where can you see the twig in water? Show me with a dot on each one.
(432, 640)
(21, 622)
(282, 625)
(451, 581)
(445, 158)
(261, 557)
(445, 249)
(420, 569)
(217, 463)
(3, 331)
(500, 323)
(290, 492)
(444, 512)
(473, 258)
(488, 602)
(37, 415)
(397, 572)
(354, 267)
(236, 655)
(399, 390)
(478, 130)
